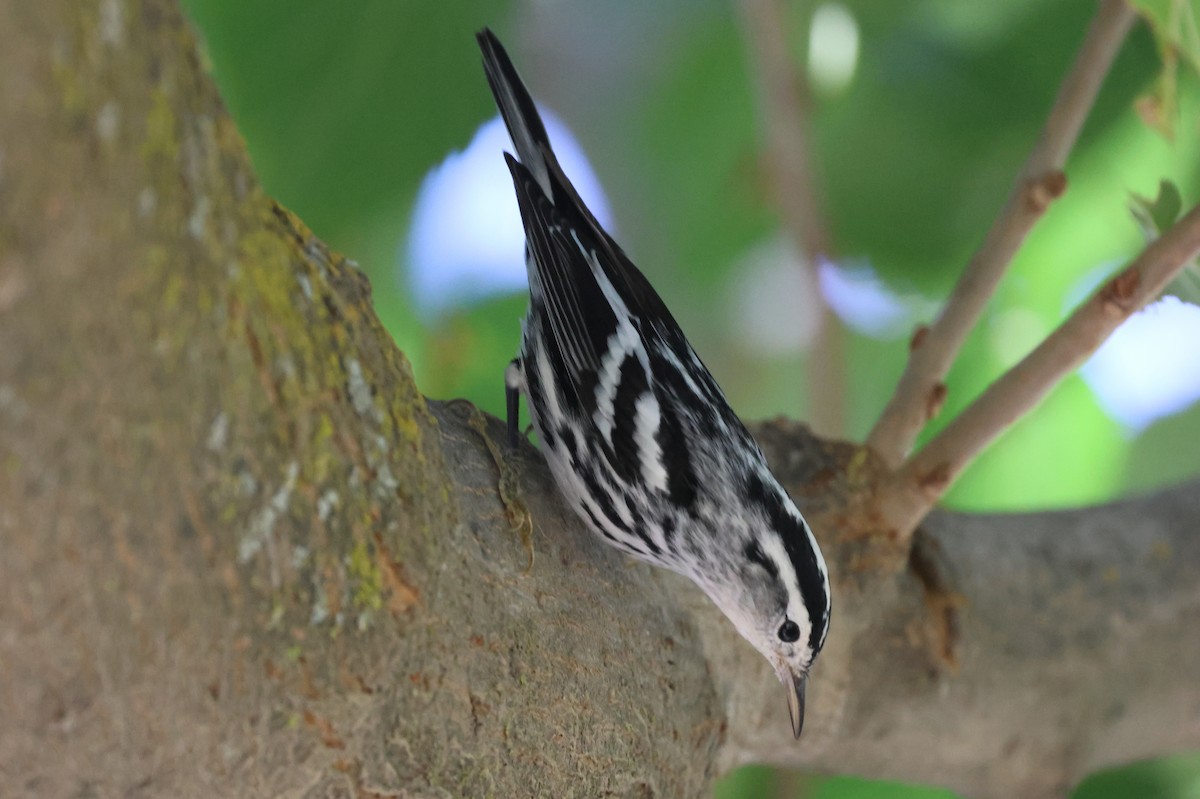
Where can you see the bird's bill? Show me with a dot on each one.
(795, 685)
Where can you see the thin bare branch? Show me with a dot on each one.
(927, 474)
(782, 98)
(1040, 182)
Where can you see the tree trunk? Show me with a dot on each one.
(241, 555)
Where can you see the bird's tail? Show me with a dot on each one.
(520, 115)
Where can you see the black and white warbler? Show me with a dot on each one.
(638, 435)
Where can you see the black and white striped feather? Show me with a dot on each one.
(638, 434)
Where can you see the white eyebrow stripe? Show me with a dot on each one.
(773, 548)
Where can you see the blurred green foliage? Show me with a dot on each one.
(1169, 778)
(346, 106)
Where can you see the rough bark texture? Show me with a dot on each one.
(241, 555)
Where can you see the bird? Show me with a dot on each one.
(639, 438)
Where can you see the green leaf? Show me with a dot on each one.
(1175, 29)
(1155, 217)
(1174, 24)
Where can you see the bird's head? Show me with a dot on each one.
(777, 594)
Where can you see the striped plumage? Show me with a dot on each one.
(639, 436)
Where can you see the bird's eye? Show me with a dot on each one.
(789, 631)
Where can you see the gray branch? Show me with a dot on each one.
(241, 555)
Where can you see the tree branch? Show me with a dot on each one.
(240, 555)
(1025, 652)
(922, 480)
(920, 391)
(782, 99)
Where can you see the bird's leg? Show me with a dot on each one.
(512, 397)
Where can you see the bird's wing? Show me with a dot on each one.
(567, 237)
